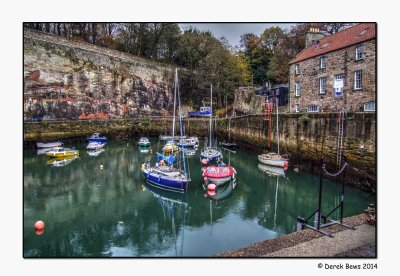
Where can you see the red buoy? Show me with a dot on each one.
(286, 163)
(39, 232)
(205, 179)
(204, 161)
(211, 193)
(211, 187)
(39, 225)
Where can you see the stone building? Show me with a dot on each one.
(335, 72)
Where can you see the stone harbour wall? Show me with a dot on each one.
(308, 137)
(305, 138)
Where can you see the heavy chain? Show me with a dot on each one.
(334, 174)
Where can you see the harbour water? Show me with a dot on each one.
(100, 206)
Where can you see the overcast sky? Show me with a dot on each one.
(233, 31)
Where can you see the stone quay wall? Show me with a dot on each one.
(305, 138)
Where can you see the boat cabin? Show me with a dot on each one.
(205, 108)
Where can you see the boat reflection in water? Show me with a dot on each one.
(272, 170)
(222, 192)
(144, 148)
(189, 152)
(95, 152)
(279, 174)
(61, 161)
(176, 212)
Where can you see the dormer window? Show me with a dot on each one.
(359, 52)
(297, 69)
(324, 45)
(363, 32)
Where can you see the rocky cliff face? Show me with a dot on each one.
(246, 102)
(63, 79)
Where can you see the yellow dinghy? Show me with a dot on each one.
(170, 148)
(62, 152)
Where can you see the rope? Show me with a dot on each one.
(334, 174)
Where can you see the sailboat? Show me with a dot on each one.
(168, 175)
(210, 154)
(220, 173)
(273, 158)
(272, 170)
(170, 146)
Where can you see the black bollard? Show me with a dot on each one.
(300, 223)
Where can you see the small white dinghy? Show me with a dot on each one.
(49, 145)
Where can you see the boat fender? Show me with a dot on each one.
(212, 187)
(101, 167)
(39, 225)
(142, 167)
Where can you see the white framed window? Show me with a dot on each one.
(297, 90)
(322, 63)
(297, 69)
(322, 85)
(358, 80)
(370, 106)
(338, 85)
(297, 108)
(359, 52)
(313, 108)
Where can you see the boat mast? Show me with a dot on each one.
(173, 120)
(211, 116)
(180, 123)
(229, 130)
(277, 121)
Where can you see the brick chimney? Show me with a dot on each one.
(313, 36)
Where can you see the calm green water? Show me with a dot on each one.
(109, 212)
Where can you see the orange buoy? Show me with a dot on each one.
(39, 225)
(211, 187)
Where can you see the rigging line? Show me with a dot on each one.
(276, 200)
(173, 120)
(180, 121)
